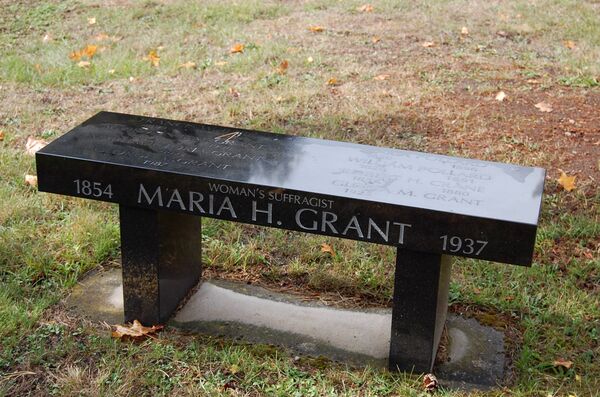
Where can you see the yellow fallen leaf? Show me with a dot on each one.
(316, 29)
(134, 331)
(365, 8)
(501, 96)
(381, 77)
(111, 71)
(188, 65)
(326, 248)
(375, 39)
(33, 145)
(333, 81)
(544, 107)
(90, 50)
(567, 182)
(578, 377)
(283, 66)
(31, 180)
(428, 44)
(84, 64)
(153, 58)
(570, 44)
(237, 48)
(91, 21)
(464, 31)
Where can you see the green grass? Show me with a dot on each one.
(48, 242)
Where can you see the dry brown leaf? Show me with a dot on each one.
(381, 77)
(563, 363)
(501, 96)
(91, 21)
(566, 181)
(153, 57)
(33, 145)
(31, 180)
(237, 48)
(430, 383)
(316, 29)
(365, 8)
(188, 65)
(135, 331)
(283, 66)
(84, 64)
(428, 44)
(375, 39)
(464, 31)
(570, 44)
(544, 107)
(333, 81)
(233, 92)
(326, 248)
(1, 135)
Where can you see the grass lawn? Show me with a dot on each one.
(414, 75)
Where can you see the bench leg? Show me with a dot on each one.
(161, 260)
(419, 312)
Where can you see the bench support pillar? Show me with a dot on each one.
(419, 312)
(161, 261)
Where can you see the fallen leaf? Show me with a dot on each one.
(309, 59)
(578, 377)
(33, 145)
(38, 67)
(544, 107)
(567, 182)
(316, 29)
(47, 38)
(91, 21)
(1, 135)
(111, 71)
(570, 44)
(101, 37)
(153, 57)
(134, 331)
(365, 8)
(84, 64)
(464, 31)
(375, 39)
(233, 92)
(563, 363)
(326, 248)
(428, 44)
(501, 96)
(333, 81)
(381, 77)
(283, 66)
(90, 50)
(430, 383)
(234, 369)
(188, 65)
(237, 48)
(31, 180)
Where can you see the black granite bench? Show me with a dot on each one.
(165, 175)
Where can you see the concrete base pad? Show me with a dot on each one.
(356, 337)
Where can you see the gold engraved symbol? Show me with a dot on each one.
(227, 139)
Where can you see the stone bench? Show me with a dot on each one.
(165, 175)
